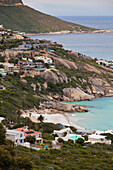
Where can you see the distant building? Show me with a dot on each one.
(73, 137)
(61, 132)
(102, 62)
(2, 87)
(3, 72)
(9, 67)
(1, 119)
(98, 139)
(1, 27)
(44, 59)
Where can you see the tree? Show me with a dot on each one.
(80, 141)
(60, 140)
(86, 137)
(41, 118)
(2, 135)
(31, 139)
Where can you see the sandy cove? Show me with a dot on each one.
(50, 116)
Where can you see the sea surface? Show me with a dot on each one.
(94, 45)
(100, 115)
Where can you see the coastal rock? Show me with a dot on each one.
(64, 107)
(55, 76)
(66, 63)
(76, 94)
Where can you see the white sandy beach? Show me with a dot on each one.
(63, 118)
(53, 118)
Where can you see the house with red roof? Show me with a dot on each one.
(30, 132)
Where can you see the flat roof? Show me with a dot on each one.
(13, 132)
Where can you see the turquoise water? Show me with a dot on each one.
(100, 115)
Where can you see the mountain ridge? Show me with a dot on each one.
(26, 19)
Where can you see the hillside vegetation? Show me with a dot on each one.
(10, 2)
(23, 18)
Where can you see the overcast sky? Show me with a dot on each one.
(73, 7)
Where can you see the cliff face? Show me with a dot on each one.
(11, 2)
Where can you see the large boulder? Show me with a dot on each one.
(55, 76)
(64, 107)
(76, 94)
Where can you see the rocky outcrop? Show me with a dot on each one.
(66, 63)
(76, 94)
(100, 87)
(54, 76)
(65, 107)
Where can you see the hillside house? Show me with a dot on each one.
(9, 68)
(1, 119)
(98, 139)
(73, 137)
(30, 132)
(44, 59)
(102, 62)
(2, 87)
(3, 72)
(16, 136)
(61, 132)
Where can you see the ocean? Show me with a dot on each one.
(100, 115)
(94, 45)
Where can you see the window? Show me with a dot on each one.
(21, 141)
(21, 135)
(40, 135)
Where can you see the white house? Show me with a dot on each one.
(98, 139)
(16, 136)
(1, 118)
(73, 137)
(61, 132)
(98, 132)
(44, 58)
(1, 26)
(102, 62)
(30, 132)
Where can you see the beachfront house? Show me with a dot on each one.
(98, 139)
(73, 137)
(62, 132)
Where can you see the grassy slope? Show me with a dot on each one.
(24, 18)
(71, 157)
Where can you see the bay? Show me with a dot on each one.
(100, 115)
(94, 45)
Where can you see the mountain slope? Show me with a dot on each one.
(10, 2)
(24, 18)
